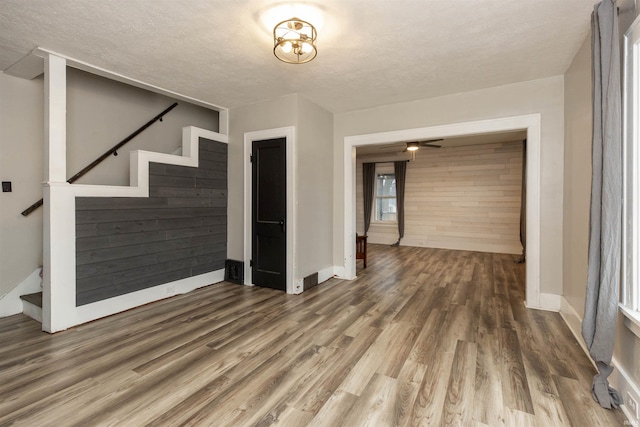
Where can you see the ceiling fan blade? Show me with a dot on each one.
(428, 143)
(381, 147)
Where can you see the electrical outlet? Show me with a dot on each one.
(633, 405)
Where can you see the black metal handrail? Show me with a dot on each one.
(113, 150)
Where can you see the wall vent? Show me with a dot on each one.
(310, 281)
(234, 271)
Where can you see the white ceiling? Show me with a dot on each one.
(370, 52)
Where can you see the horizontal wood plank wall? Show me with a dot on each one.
(465, 198)
(127, 244)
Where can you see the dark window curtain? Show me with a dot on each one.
(368, 181)
(603, 273)
(400, 170)
(523, 204)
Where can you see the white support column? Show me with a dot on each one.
(223, 122)
(55, 119)
(57, 235)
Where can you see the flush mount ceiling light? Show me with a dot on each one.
(294, 41)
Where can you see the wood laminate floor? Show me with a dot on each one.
(422, 337)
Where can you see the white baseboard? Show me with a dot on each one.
(327, 273)
(11, 303)
(97, 310)
(338, 272)
(546, 302)
(574, 322)
(550, 302)
(619, 379)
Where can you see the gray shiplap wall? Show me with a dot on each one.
(127, 244)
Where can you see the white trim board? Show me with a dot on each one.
(550, 302)
(293, 286)
(111, 75)
(326, 274)
(530, 123)
(631, 319)
(124, 302)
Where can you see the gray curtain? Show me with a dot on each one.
(368, 185)
(523, 205)
(400, 170)
(603, 274)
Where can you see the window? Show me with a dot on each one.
(385, 203)
(630, 298)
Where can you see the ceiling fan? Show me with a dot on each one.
(415, 145)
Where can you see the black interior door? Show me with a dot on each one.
(269, 211)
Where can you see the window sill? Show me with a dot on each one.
(385, 223)
(631, 319)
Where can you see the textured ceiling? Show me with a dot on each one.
(370, 52)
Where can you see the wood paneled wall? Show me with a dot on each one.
(465, 198)
(127, 244)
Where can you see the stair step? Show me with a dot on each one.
(32, 305)
(35, 299)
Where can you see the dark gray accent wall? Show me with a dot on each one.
(126, 244)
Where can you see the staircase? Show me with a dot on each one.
(32, 305)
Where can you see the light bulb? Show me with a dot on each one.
(306, 47)
(286, 47)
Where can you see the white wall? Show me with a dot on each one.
(100, 113)
(21, 162)
(461, 198)
(315, 189)
(313, 176)
(272, 114)
(577, 177)
(539, 96)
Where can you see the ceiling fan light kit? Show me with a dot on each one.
(412, 146)
(415, 145)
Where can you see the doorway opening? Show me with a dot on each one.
(528, 123)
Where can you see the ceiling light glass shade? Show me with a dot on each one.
(286, 47)
(412, 146)
(294, 41)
